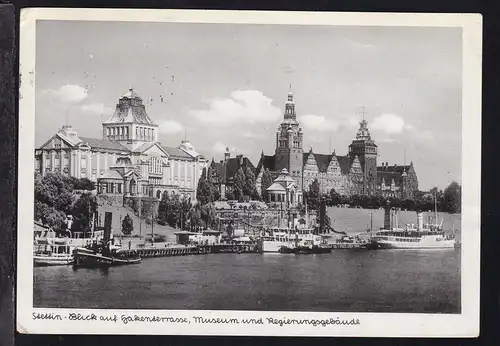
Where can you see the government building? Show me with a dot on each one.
(128, 160)
(355, 173)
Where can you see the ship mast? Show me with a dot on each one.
(435, 208)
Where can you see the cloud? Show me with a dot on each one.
(68, 93)
(170, 127)
(318, 123)
(98, 108)
(219, 148)
(243, 106)
(252, 135)
(388, 123)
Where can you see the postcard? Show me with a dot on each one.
(249, 173)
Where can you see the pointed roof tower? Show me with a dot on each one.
(130, 109)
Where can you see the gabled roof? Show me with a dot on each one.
(227, 170)
(233, 165)
(323, 160)
(266, 162)
(220, 169)
(177, 153)
(68, 141)
(97, 143)
(344, 163)
(146, 146)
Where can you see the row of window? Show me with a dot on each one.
(117, 131)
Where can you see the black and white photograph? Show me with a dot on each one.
(237, 173)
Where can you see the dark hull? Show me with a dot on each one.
(303, 250)
(92, 260)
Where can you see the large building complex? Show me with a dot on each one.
(128, 160)
(351, 174)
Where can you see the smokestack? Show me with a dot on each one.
(387, 216)
(108, 218)
(322, 213)
(420, 220)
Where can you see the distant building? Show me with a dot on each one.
(284, 190)
(129, 160)
(355, 173)
(222, 173)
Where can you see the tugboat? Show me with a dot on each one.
(104, 254)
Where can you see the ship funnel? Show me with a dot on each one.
(420, 220)
(387, 217)
(322, 214)
(108, 217)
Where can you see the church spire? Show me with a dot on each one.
(290, 106)
(363, 132)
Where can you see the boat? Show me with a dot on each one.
(421, 236)
(99, 259)
(52, 252)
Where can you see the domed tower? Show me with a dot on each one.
(289, 135)
(130, 124)
(366, 150)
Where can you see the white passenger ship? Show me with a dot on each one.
(51, 250)
(275, 239)
(422, 236)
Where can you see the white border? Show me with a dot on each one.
(465, 324)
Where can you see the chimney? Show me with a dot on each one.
(108, 217)
(420, 221)
(240, 159)
(227, 155)
(387, 216)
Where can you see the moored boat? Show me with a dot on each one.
(52, 252)
(420, 236)
(89, 259)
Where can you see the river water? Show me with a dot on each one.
(343, 281)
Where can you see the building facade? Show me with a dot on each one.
(129, 160)
(352, 174)
(222, 173)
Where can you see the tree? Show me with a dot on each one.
(82, 211)
(334, 198)
(53, 199)
(249, 188)
(204, 190)
(209, 215)
(84, 184)
(213, 180)
(195, 221)
(313, 195)
(452, 198)
(266, 181)
(127, 225)
(239, 184)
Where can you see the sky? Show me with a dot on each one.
(225, 85)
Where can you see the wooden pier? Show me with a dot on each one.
(227, 248)
(346, 246)
(166, 252)
(193, 250)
